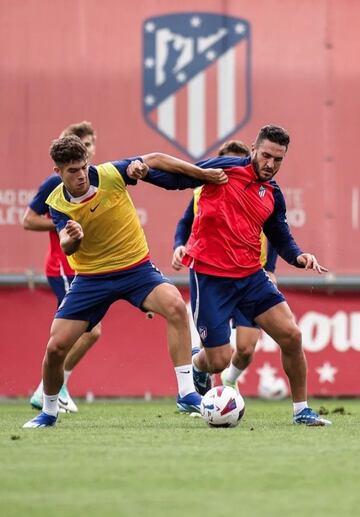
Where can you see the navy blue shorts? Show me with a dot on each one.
(90, 296)
(216, 300)
(60, 285)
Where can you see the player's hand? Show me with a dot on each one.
(74, 230)
(178, 255)
(216, 176)
(137, 170)
(309, 261)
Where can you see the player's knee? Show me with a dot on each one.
(292, 340)
(176, 310)
(219, 361)
(246, 352)
(56, 351)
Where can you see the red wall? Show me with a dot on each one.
(67, 61)
(131, 357)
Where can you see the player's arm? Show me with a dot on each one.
(168, 163)
(271, 259)
(70, 232)
(36, 222)
(167, 180)
(156, 177)
(278, 232)
(35, 217)
(182, 234)
(71, 237)
(224, 162)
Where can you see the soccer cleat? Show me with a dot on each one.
(202, 380)
(66, 403)
(36, 400)
(309, 417)
(190, 403)
(225, 382)
(42, 420)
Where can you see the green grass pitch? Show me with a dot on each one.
(144, 459)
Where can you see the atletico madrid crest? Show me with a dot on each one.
(196, 78)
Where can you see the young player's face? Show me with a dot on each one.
(267, 159)
(75, 177)
(89, 142)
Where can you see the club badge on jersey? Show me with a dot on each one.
(196, 78)
(262, 191)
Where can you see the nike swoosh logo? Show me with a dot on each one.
(63, 402)
(187, 371)
(95, 207)
(52, 400)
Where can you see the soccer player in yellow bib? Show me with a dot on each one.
(101, 234)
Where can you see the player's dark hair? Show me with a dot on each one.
(275, 134)
(234, 146)
(67, 149)
(80, 129)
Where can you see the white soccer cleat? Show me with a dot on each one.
(66, 403)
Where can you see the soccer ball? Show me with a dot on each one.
(273, 388)
(222, 406)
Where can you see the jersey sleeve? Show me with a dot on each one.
(59, 219)
(223, 162)
(278, 232)
(170, 181)
(122, 165)
(271, 258)
(38, 203)
(183, 227)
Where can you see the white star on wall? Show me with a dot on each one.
(195, 21)
(150, 27)
(149, 100)
(326, 372)
(149, 62)
(240, 28)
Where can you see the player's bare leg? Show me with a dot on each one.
(81, 347)
(167, 301)
(280, 324)
(246, 339)
(63, 335)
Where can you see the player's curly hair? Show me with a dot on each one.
(67, 149)
(276, 134)
(234, 146)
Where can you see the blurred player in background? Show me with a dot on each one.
(223, 253)
(100, 232)
(246, 337)
(58, 271)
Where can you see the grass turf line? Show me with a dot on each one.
(145, 459)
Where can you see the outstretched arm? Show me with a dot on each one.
(168, 163)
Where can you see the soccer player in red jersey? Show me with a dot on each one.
(246, 337)
(226, 276)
